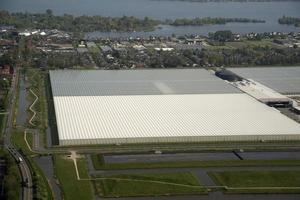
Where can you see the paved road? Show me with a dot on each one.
(23, 165)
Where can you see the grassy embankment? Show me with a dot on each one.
(12, 177)
(125, 185)
(155, 184)
(40, 184)
(36, 79)
(2, 117)
(246, 44)
(99, 163)
(258, 181)
(72, 188)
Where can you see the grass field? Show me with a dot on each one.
(248, 43)
(36, 79)
(40, 182)
(94, 50)
(262, 179)
(156, 184)
(11, 177)
(82, 168)
(18, 140)
(43, 190)
(2, 117)
(73, 189)
(99, 163)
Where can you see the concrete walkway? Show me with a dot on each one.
(31, 108)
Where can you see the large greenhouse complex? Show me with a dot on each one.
(159, 106)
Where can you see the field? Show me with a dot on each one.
(82, 168)
(36, 80)
(2, 117)
(73, 189)
(248, 43)
(99, 164)
(259, 181)
(19, 142)
(127, 185)
(39, 180)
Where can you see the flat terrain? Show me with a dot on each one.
(169, 157)
(73, 189)
(258, 178)
(201, 156)
(2, 117)
(149, 184)
(256, 43)
(259, 181)
(99, 164)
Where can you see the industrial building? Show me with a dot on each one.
(285, 80)
(166, 105)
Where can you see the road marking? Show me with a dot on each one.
(73, 157)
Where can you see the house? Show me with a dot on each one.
(6, 70)
(91, 45)
(105, 49)
(139, 47)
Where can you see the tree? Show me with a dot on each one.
(49, 12)
(222, 36)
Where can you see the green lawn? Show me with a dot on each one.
(17, 138)
(94, 50)
(73, 189)
(36, 79)
(82, 168)
(40, 182)
(244, 179)
(254, 43)
(141, 185)
(99, 164)
(12, 177)
(2, 117)
(218, 47)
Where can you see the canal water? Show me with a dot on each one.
(46, 164)
(23, 103)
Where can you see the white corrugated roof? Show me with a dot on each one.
(282, 79)
(91, 117)
(137, 82)
(259, 91)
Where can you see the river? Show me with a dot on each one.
(269, 11)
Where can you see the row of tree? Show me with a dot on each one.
(12, 180)
(247, 56)
(75, 24)
(209, 20)
(289, 21)
(98, 23)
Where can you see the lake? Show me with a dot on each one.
(269, 11)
